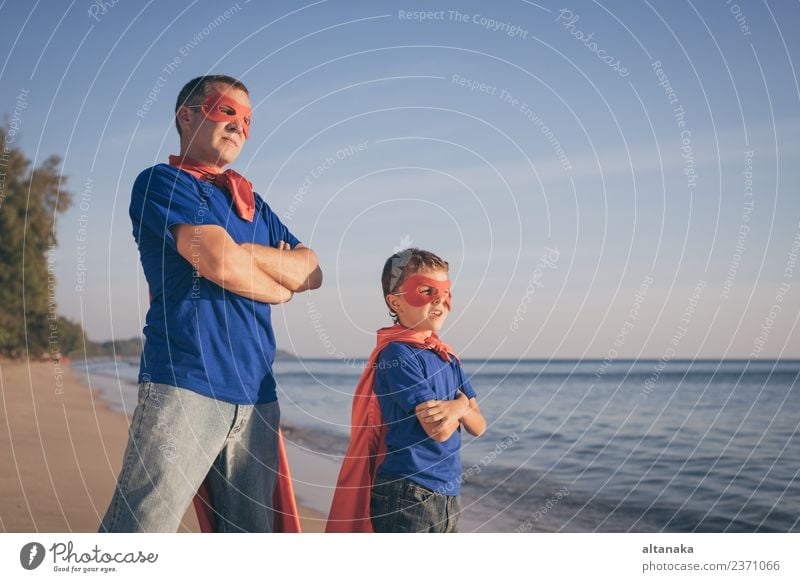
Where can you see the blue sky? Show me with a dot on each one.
(582, 216)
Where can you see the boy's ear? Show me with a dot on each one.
(393, 302)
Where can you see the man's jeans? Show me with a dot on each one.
(178, 437)
(400, 505)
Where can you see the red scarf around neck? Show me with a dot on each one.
(350, 507)
(240, 189)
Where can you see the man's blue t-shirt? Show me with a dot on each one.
(197, 335)
(406, 376)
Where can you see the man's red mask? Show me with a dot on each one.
(410, 288)
(221, 108)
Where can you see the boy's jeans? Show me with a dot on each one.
(176, 438)
(400, 505)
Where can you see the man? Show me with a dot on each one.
(215, 257)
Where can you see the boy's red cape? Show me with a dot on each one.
(350, 507)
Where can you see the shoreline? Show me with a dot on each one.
(63, 446)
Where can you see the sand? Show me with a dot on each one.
(61, 449)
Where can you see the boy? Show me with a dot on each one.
(402, 472)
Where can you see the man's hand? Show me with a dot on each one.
(296, 269)
(215, 256)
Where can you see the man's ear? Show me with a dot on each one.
(184, 116)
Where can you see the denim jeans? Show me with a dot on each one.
(400, 505)
(178, 437)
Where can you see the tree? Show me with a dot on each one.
(30, 201)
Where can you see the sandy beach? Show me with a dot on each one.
(61, 448)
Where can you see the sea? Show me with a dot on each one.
(581, 445)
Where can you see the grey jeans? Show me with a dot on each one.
(178, 437)
(398, 505)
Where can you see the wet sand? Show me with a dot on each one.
(61, 449)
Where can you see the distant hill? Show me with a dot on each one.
(132, 348)
(285, 355)
(127, 348)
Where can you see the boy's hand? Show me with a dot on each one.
(445, 411)
(441, 418)
(444, 429)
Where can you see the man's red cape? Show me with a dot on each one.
(285, 517)
(284, 508)
(350, 507)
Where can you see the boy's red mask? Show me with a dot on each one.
(410, 288)
(221, 108)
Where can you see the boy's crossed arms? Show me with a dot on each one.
(441, 418)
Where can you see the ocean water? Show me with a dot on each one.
(581, 446)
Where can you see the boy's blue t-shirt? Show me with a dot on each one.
(197, 335)
(406, 376)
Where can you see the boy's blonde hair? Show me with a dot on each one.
(402, 265)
